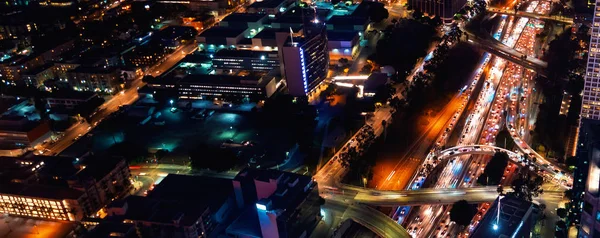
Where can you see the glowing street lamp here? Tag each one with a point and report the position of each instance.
(495, 226)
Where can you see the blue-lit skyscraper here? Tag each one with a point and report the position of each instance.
(305, 59)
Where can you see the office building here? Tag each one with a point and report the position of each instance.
(275, 203)
(305, 60)
(508, 217)
(60, 188)
(244, 20)
(253, 86)
(218, 38)
(342, 44)
(586, 179)
(181, 206)
(69, 100)
(13, 67)
(226, 60)
(445, 9)
(20, 132)
(37, 76)
(145, 56)
(104, 80)
(205, 5)
(53, 203)
(590, 107)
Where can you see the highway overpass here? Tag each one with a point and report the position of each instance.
(496, 47)
(561, 19)
(424, 196)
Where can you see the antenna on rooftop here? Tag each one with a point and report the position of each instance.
(292, 35)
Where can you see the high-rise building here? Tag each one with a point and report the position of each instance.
(275, 204)
(305, 59)
(508, 217)
(586, 196)
(591, 91)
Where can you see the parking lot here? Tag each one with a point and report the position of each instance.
(180, 130)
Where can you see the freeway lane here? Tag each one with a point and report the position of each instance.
(561, 19)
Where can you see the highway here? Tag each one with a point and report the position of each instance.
(532, 15)
(489, 106)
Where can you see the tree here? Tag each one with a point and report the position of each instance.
(213, 158)
(561, 229)
(492, 174)
(561, 212)
(462, 212)
(569, 194)
(527, 186)
(435, 21)
(505, 140)
(377, 12)
(384, 93)
(417, 15)
(39, 102)
(571, 161)
(160, 154)
(132, 152)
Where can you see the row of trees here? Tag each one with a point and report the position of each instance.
(350, 157)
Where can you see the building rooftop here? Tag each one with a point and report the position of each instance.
(245, 54)
(173, 32)
(291, 190)
(341, 35)
(347, 20)
(266, 4)
(93, 70)
(42, 191)
(194, 189)
(269, 33)
(244, 17)
(97, 168)
(514, 213)
(220, 31)
(39, 69)
(71, 94)
(221, 79)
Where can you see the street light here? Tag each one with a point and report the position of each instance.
(171, 101)
(495, 227)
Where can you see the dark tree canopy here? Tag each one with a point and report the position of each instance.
(462, 212)
(561, 212)
(527, 186)
(504, 140)
(377, 12)
(492, 174)
(403, 44)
